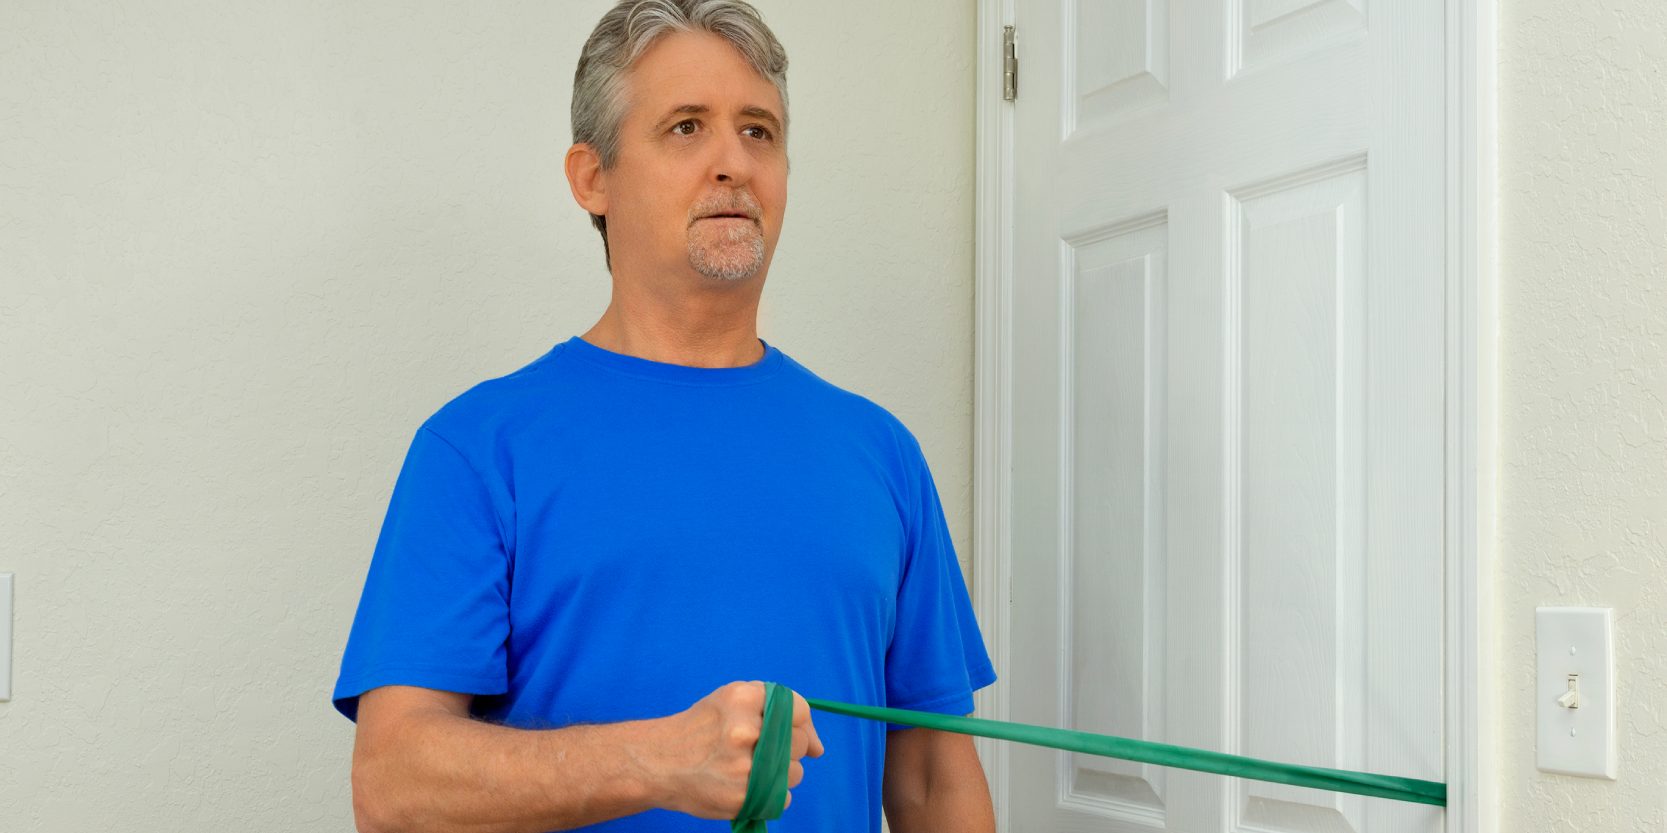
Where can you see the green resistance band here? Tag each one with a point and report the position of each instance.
(767, 783)
(1162, 754)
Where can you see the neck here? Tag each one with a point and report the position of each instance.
(696, 325)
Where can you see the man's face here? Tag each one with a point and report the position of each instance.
(701, 137)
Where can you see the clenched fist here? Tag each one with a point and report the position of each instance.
(706, 751)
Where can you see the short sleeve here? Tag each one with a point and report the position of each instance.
(435, 608)
(936, 659)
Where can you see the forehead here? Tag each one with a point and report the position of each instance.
(696, 68)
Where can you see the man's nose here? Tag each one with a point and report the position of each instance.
(733, 164)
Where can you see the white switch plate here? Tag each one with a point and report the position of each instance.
(1576, 641)
(5, 636)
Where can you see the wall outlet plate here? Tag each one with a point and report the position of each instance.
(1575, 691)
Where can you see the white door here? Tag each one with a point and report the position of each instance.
(1228, 393)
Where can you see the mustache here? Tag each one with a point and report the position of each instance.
(741, 203)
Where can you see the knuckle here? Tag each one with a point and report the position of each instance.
(741, 734)
(748, 695)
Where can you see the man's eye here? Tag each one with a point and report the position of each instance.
(763, 132)
(678, 128)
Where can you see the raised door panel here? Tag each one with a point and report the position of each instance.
(1113, 563)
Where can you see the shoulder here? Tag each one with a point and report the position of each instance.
(489, 410)
(865, 419)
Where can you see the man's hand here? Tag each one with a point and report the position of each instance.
(707, 750)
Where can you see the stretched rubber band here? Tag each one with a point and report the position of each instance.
(1181, 757)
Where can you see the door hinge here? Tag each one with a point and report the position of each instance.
(1009, 66)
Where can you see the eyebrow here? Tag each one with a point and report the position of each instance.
(701, 110)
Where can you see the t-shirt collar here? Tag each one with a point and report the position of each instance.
(676, 373)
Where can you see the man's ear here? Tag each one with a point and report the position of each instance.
(585, 177)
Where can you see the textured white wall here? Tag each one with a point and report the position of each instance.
(1583, 275)
(246, 247)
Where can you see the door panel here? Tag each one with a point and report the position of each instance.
(1301, 509)
(1115, 559)
(1121, 58)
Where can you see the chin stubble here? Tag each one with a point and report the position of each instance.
(730, 255)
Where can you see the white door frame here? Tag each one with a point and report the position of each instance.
(1471, 385)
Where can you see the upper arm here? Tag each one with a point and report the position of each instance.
(397, 700)
(434, 612)
(921, 760)
(936, 658)
(385, 716)
(386, 710)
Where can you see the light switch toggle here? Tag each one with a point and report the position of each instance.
(1571, 698)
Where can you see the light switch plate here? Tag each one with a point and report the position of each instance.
(5, 636)
(1576, 643)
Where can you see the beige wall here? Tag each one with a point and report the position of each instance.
(245, 248)
(1583, 410)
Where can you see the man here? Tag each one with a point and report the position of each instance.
(588, 564)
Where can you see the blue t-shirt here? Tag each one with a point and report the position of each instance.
(599, 537)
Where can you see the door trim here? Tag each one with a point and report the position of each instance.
(1472, 415)
(1471, 385)
(992, 390)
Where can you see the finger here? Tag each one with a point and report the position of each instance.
(789, 802)
(805, 740)
(814, 749)
(795, 773)
(802, 718)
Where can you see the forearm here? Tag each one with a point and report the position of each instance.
(449, 773)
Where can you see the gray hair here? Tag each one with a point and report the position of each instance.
(626, 32)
